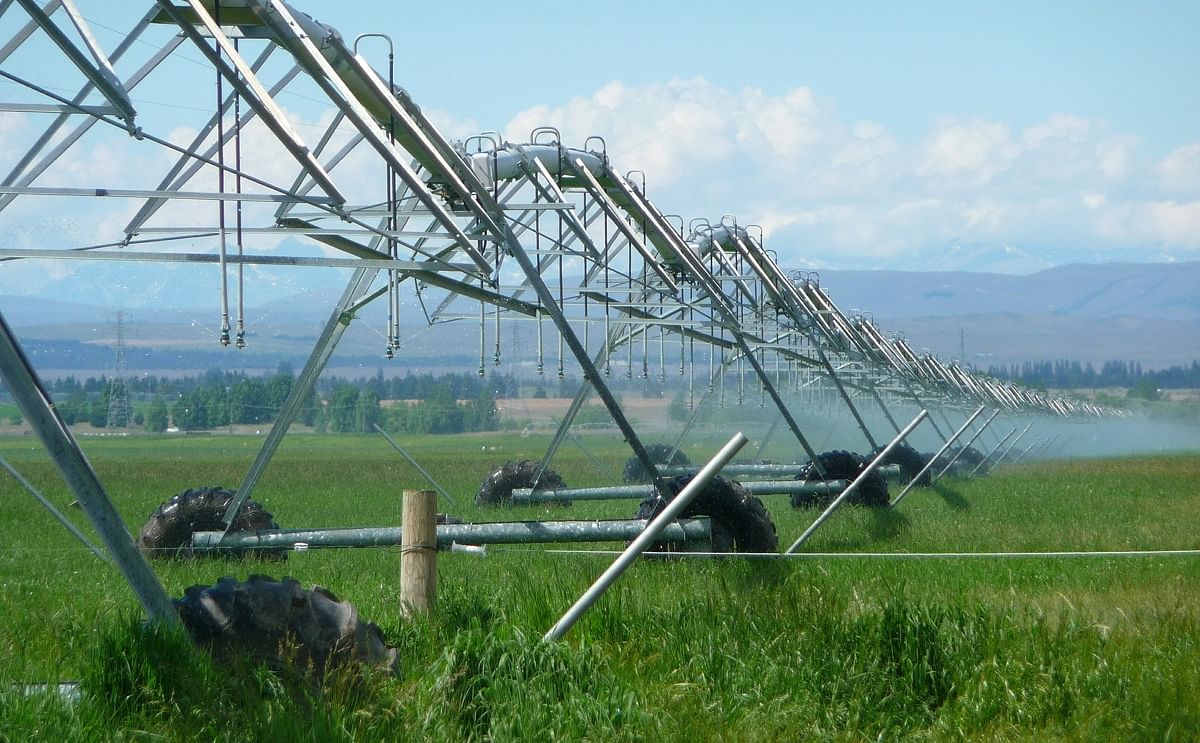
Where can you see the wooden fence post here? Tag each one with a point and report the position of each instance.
(418, 552)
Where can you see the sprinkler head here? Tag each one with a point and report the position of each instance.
(241, 340)
(387, 354)
(224, 338)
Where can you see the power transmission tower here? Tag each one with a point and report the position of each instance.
(118, 393)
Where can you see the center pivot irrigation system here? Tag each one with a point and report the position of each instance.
(479, 231)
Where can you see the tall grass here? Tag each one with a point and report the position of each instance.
(748, 662)
(816, 649)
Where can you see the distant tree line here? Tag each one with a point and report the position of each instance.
(424, 403)
(1065, 374)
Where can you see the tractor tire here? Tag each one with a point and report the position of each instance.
(911, 462)
(497, 489)
(278, 623)
(969, 458)
(636, 472)
(842, 465)
(740, 522)
(168, 532)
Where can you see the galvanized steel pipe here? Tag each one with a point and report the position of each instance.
(863, 476)
(962, 449)
(514, 532)
(652, 532)
(933, 460)
(734, 470)
(637, 492)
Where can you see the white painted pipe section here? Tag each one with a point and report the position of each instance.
(704, 239)
(469, 549)
(644, 540)
(504, 164)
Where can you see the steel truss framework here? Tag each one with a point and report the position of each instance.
(484, 230)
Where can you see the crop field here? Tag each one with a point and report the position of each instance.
(823, 647)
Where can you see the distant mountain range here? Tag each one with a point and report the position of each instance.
(1147, 312)
(990, 257)
(1164, 291)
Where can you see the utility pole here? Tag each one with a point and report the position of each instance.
(118, 393)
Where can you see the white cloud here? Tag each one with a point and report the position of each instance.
(825, 189)
(13, 128)
(690, 128)
(828, 190)
(662, 129)
(1170, 223)
(1179, 171)
(1057, 127)
(450, 126)
(974, 151)
(1115, 156)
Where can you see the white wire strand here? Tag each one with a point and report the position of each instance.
(885, 555)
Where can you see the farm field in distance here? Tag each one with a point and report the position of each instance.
(824, 647)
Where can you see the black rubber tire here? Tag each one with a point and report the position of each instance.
(497, 489)
(911, 462)
(842, 465)
(966, 461)
(168, 532)
(971, 456)
(635, 472)
(740, 522)
(275, 622)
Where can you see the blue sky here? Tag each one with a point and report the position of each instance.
(1004, 136)
(905, 65)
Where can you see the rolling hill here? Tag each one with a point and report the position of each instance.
(1148, 312)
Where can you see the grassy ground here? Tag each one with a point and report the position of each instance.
(841, 648)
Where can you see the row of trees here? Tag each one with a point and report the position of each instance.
(450, 403)
(1066, 374)
(409, 387)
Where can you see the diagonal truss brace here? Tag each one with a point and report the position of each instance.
(99, 73)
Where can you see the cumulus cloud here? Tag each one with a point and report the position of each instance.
(827, 190)
(973, 151)
(1179, 171)
(839, 192)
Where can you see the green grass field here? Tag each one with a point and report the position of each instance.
(818, 648)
